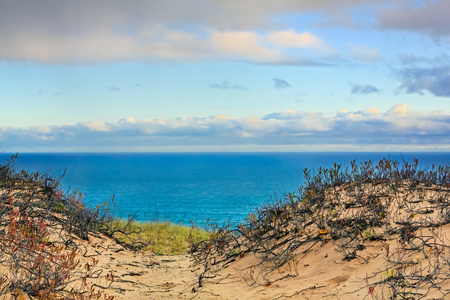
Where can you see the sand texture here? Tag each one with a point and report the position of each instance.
(412, 265)
(357, 236)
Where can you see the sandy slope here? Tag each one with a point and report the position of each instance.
(315, 270)
(319, 274)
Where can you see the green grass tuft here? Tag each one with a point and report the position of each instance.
(161, 237)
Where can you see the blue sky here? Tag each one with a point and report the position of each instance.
(210, 75)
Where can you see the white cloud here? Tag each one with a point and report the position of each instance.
(397, 126)
(96, 126)
(127, 120)
(243, 44)
(399, 110)
(291, 39)
(372, 111)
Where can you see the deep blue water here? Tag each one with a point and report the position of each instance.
(193, 186)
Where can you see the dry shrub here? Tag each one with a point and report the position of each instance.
(398, 204)
(38, 253)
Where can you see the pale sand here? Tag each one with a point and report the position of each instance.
(320, 273)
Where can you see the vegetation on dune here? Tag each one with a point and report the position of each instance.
(397, 204)
(160, 237)
(41, 230)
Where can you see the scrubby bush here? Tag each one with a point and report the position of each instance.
(36, 246)
(40, 228)
(398, 204)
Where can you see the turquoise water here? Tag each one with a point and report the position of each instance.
(180, 187)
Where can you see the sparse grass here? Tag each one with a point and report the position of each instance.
(160, 237)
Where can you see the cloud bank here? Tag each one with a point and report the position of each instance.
(277, 131)
(85, 31)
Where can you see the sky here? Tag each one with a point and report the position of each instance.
(215, 75)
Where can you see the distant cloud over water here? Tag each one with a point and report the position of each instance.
(369, 128)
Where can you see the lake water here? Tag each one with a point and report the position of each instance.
(180, 187)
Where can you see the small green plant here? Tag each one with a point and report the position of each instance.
(60, 207)
(370, 234)
(389, 274)
(235, 252)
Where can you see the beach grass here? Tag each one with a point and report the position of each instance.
(160, 237)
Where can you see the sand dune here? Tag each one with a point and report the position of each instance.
(352, 238)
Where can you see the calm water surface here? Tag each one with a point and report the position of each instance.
(196, 186)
